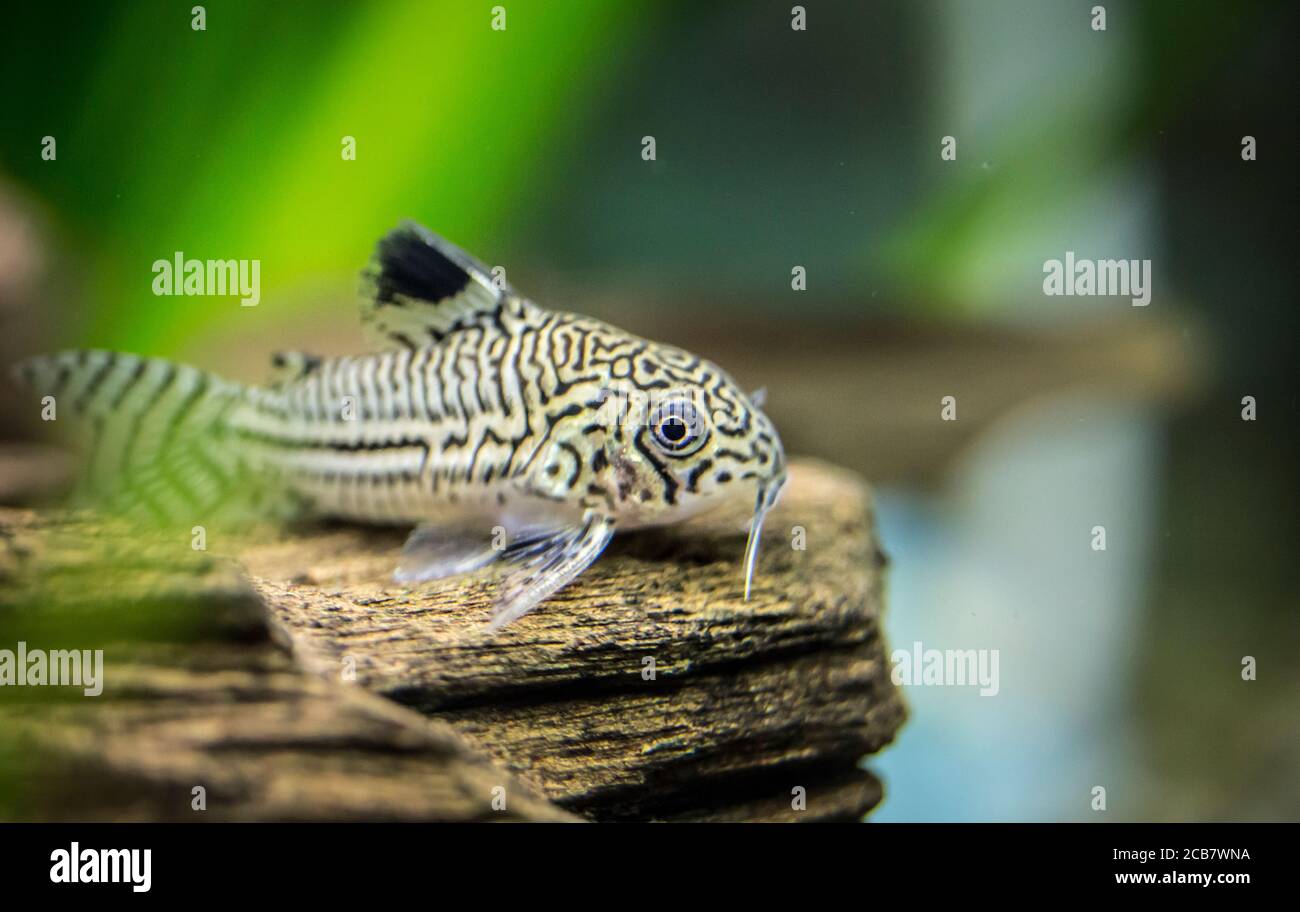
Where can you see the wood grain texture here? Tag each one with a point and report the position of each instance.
(296, 681)
(749, 700)
(198, 693)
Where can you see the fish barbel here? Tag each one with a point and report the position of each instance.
(507, 432)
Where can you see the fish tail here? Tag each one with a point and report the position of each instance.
(154, 433)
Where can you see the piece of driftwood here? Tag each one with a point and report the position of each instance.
(647, 690)
(197, 694)
(650, 689)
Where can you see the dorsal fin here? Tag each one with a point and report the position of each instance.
(420, 287)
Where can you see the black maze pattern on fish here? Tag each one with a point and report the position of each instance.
(478, 408)
(432, 424)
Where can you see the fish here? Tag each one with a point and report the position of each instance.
(505, 432)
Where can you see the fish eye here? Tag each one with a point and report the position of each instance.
(673, 429)
(678, 427)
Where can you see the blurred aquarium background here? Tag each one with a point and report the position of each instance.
(775, 149)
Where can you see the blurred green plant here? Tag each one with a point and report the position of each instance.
(226, 143)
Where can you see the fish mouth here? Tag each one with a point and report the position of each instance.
(768, 491)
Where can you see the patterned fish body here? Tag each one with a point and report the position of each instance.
(507, 431)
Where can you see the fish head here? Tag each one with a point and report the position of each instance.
(691, 439)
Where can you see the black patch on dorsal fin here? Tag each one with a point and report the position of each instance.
(419, 287)
(415, 263)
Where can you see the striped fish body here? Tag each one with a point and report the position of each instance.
(508, 432)
(151, 430)
(406, 435)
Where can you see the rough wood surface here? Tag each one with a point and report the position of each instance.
(197, 693)
(748, 700)
(750, 703)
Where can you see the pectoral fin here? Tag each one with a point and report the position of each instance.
(437, 551)
(546, 563)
